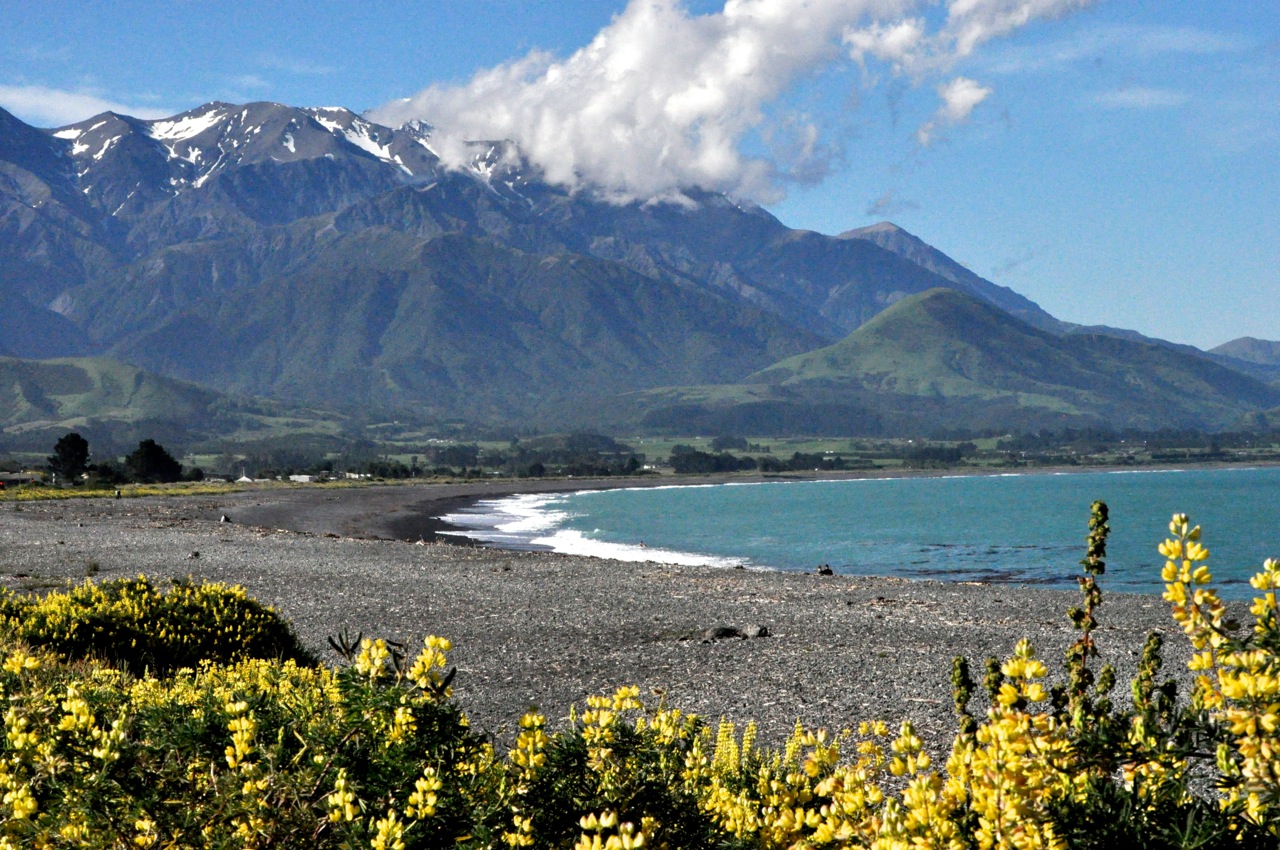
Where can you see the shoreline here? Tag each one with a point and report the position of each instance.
(545, 629)
(421, 519)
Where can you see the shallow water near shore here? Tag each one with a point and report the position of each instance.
(1019, 528)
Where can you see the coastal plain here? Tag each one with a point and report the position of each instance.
(540, 629)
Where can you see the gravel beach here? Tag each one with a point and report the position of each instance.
(542, 629)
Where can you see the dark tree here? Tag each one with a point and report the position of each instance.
(150, 463)
(728, 442)
(699, 462)
(70, 457)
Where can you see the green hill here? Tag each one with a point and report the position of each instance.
(1264, 352)
(114, 405)
(945, 361)
(457, 326)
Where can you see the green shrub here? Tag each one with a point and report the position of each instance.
(132, 624)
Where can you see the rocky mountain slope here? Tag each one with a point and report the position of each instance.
(313, 256)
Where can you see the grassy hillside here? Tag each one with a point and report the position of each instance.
(115, 404)
(459, 326)
(1264, 352)
(943, 360)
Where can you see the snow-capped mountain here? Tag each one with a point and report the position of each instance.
(172, 155)
(311, 254)
(123, 162)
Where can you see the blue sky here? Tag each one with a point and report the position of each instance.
(1119, 164)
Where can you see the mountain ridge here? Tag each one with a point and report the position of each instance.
(314, 256)
(1263, 352)
(944, 360)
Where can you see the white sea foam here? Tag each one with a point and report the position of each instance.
(509, 519)
(531, 521)
(659, 487)
(576, 543)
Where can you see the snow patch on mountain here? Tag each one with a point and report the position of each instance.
(335, 127)
(355, 130)
(184, 127)
(106, 146)
(360, 136)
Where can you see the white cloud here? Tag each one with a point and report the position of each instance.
(889, 204)
(294, 65)
(1141, 97)
(971, 23)
(662, 100)
(249, 81)
(907, 46)
(960, 97)
(893, 42)
(44, 106)
(1117, 40)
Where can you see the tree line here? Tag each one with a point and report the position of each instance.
(149, 463)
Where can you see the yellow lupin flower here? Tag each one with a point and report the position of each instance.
(428, 667)
(342, 800)
(20, 661)
(21, 803)
(528, 753)
(521, 834)
(372, 659)
(145, 832)
(423, 800)
(389, 833)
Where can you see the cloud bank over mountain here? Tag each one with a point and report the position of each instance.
(662, 99)
(53, 107)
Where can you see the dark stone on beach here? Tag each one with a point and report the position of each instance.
(716, 633)
(225, 518)
(712, 634)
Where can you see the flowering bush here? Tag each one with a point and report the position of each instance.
(134, 625)
(254, 753)
(249, 754)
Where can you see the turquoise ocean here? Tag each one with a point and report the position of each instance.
(1017, 528)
